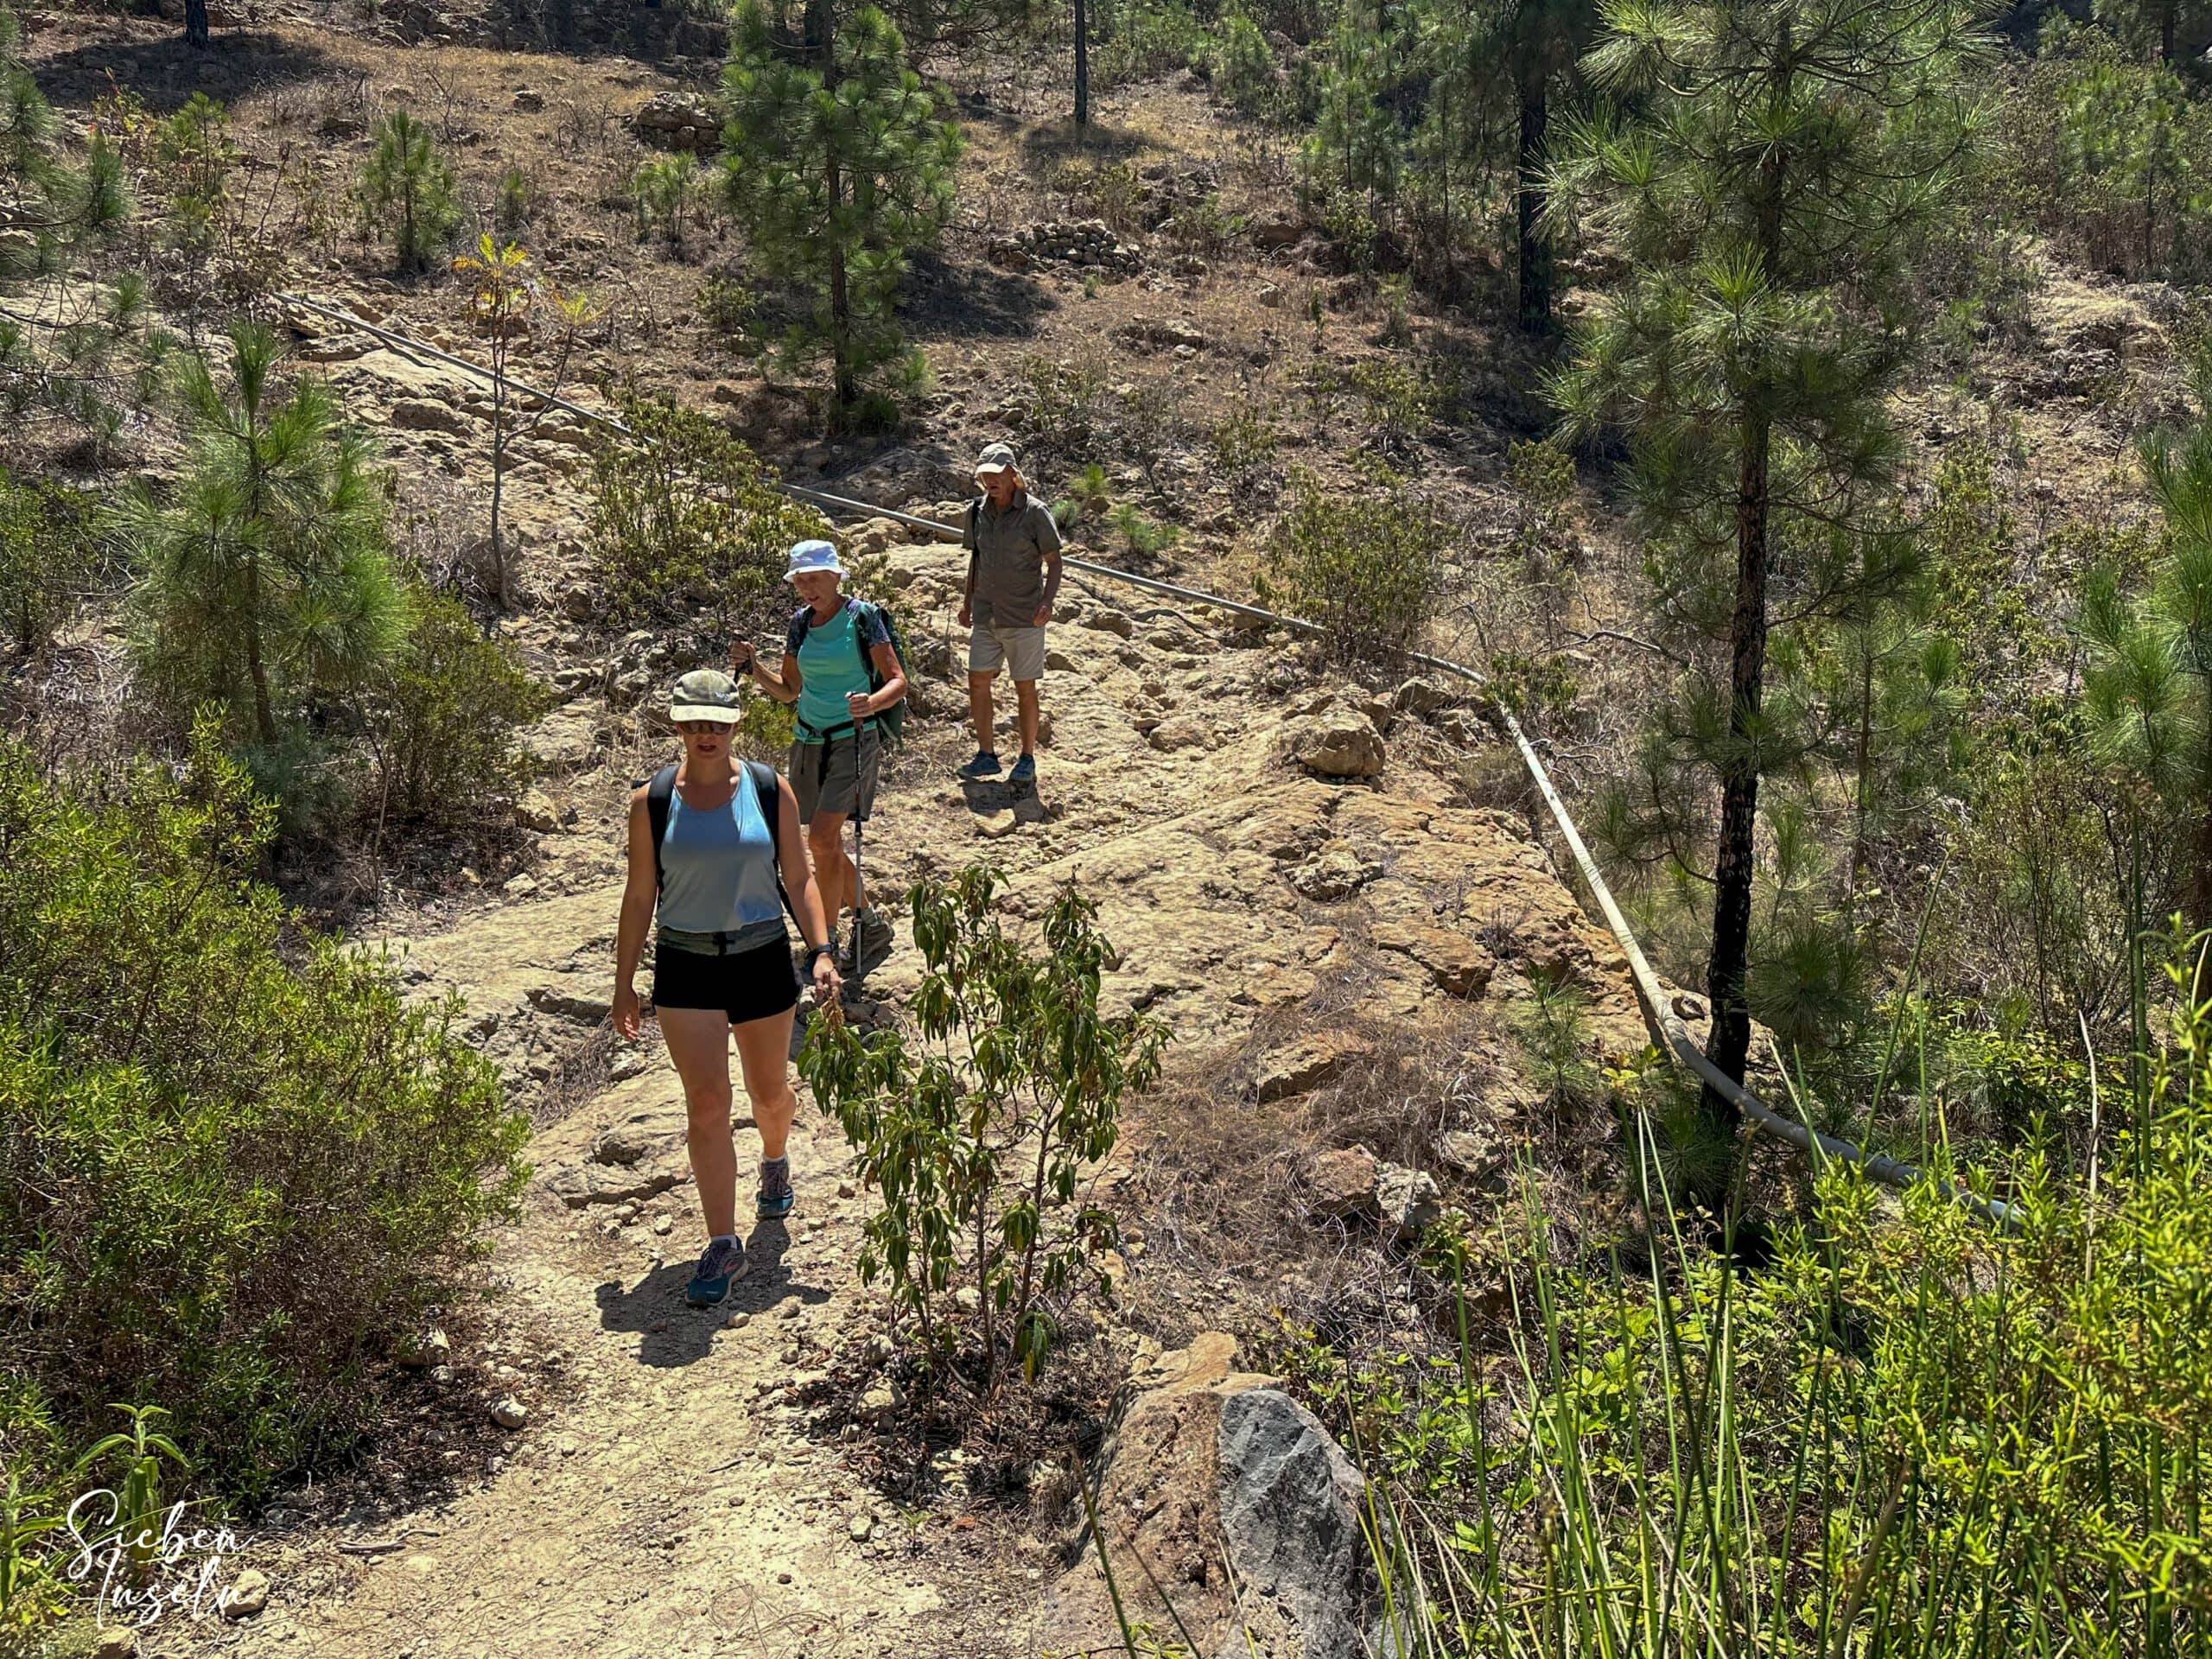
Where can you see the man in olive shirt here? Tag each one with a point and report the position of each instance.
(1014, 575)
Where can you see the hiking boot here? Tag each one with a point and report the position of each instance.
(1024, 774)
(774, 1200)
(722, 1262)
(869, 945)
(985, 765)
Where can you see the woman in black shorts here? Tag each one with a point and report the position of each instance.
(721, 960)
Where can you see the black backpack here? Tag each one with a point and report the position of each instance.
(662, 789)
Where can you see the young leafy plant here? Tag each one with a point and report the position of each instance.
(978, 1127)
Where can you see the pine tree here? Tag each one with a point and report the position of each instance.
(54, 205)
(263, 586)
(2148, 685)
(1764, 196)
(837, 162)
(408, 190)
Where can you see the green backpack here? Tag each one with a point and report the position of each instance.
(892, 721)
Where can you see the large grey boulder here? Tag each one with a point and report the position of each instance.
(1223, 1499)
(1290, 1502)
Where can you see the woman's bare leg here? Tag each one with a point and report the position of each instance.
(698, 1042)
(764, 1050)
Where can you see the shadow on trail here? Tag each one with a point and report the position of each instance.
(948, 302)
(986, 798)
(673, 1334)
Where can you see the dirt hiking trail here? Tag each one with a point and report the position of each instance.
(667, 1492)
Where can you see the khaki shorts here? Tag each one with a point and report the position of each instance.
(838, 778)
(992, 646)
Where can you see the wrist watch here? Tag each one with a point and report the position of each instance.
(816, 952)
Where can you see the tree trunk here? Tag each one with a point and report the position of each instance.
(195, 22)
(1535, 258)
(1082, 66)
(264, 719)
(2200, 884)
(1863, 763)
(1729, 1047)
(502, 594)
(841, 309)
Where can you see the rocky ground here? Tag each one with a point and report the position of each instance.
(1255, 843)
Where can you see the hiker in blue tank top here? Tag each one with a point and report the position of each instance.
(714, 850)
(842, 670)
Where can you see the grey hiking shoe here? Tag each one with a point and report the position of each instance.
(774, 1200)
(868, 946)
(722, 1262)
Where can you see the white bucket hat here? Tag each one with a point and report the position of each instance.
(813, 556)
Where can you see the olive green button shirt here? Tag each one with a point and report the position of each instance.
(1009, 549)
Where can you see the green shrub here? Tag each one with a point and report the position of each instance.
(1060, 407)
(1367, 568)
(1902, 1432)
(1246, 440)
(1149, 37)
(1145, 537)
(729, 307)
(264, 584)
(408, 191)
(238, 1163)
(194, 152)
(977, 1130)
(1203, 226)
(442, 725)
(49, 560)
(683, 521)
(1399, 403)
(1114, 193)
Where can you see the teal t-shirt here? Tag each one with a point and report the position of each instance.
(830, 664)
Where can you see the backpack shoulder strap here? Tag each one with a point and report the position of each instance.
(772, 814)
(659, 793)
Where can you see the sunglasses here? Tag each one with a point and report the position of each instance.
(703, 727)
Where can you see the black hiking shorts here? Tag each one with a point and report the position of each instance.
(750, 985)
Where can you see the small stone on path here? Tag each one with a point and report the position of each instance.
(248, 1595)
(509, 1413)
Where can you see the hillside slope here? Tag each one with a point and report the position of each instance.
(670, 1493)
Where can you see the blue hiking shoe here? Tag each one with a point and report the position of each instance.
(723, 1264)
(1024, 774)
(775, 1199)
(985, 765)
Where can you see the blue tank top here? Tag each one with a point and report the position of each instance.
(718, 870)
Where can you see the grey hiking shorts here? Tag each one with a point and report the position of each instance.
(837, 777)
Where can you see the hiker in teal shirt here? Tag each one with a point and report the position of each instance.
(837, 744)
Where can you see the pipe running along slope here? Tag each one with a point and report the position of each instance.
(1669, 1033)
